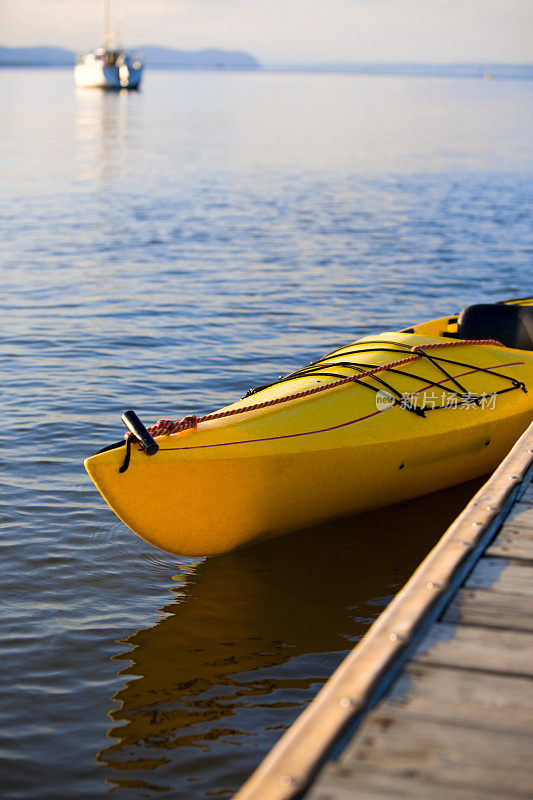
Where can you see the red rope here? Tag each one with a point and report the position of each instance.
(165, 427)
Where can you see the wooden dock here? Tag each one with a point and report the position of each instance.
(436, 701)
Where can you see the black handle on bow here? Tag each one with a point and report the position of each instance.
(135, 426)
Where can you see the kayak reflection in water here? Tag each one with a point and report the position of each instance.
(249, 642)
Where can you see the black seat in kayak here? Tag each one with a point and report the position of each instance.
(510, 325)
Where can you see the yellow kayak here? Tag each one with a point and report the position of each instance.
(378, 421)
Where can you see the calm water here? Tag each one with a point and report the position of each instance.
(165, 251)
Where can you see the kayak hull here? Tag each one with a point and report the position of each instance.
(211, 507)
(262, 473)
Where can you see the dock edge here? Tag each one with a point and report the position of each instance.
(368, 670)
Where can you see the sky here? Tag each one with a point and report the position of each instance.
(289, 31)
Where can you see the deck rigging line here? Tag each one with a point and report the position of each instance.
(167, 427)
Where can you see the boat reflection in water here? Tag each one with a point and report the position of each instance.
(250, 639)
(106, 128)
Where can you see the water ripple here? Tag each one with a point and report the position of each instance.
(167, 251)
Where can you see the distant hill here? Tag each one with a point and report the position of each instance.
(212, 58)
(36, 57)
(158, 57)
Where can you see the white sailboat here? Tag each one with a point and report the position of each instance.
(109, 66)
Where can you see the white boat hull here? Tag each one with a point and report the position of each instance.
(92, 73)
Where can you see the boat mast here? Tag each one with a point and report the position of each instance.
(105, 24)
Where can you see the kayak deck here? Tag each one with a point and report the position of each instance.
(350, 432)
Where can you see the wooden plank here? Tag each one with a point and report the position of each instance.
(472, 647)
(463, 697)
(513, 542)
(521, 515)
(491, 609)
(527, 497)
(443, 753)
(500, 575)
(339, 782)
